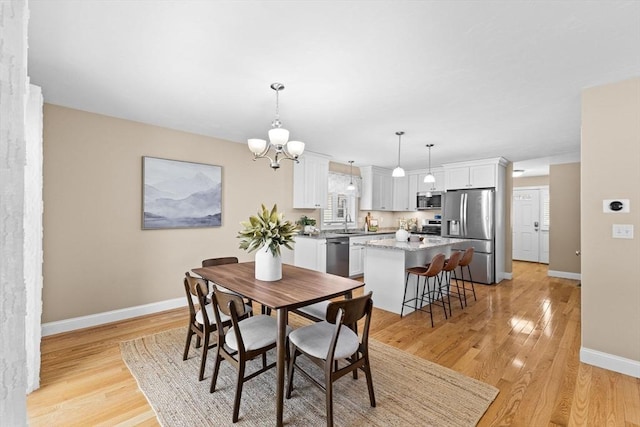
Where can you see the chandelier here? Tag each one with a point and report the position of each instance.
(278, 140)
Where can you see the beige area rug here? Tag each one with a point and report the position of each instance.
(409, 390)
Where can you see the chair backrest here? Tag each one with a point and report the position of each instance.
(353, 309)
(453, 261)
(191, 287)
(466, 258)
(348, 312)
(211, 262)
(229, 304)
(437, 262)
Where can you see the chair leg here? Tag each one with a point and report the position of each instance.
(455, 277)
(190, 333)
(404, 298)
(473, 288)
(427, 287)
(464, 286)
(203, 362)
(236, 402)
(367, 374)
(216, 369)
(292, 362)
(440, 294)
(329, 393)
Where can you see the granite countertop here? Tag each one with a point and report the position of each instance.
(426, 243)
(351, 233)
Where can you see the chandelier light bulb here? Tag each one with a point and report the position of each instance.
(398, 172)
(429, 178)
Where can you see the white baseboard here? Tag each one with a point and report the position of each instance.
(564, 275)
(611, 362)
(506, 276)
(81, 322)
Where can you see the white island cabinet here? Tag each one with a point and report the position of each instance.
(385, 264)
(356, 251)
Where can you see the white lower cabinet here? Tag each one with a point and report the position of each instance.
(356, 260)
(310, 253)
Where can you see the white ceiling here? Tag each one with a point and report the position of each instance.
(478, 79)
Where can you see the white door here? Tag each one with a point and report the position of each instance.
(526, 225)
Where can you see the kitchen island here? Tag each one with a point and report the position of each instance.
(385, 264)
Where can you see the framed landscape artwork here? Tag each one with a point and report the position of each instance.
(178, 194)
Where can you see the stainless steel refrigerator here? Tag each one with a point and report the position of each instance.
(470, 214)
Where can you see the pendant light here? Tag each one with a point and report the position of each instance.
(278, 140)
(398, 172)
(351, 187)
(429, 178)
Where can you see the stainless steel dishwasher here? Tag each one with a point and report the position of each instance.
(338, 256)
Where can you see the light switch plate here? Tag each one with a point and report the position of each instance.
(609, 206)
(622, 231)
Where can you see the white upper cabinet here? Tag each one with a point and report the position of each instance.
(377, 189)
(438, 173)
(476, 174)
(310, 178)
(401, 201)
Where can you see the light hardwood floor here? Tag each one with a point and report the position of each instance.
(522, 336)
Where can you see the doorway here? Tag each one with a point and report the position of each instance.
(531, 224)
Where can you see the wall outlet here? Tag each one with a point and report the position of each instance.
(616, 206)
(622, 231)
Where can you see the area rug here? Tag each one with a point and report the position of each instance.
(409, 390)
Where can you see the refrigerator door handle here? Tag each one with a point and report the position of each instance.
(463, 215)
(462, 195)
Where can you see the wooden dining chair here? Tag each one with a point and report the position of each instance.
(201, 321)
(212, 262)
(326, 343)
(247, 338)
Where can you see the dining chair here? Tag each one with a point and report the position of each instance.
(247, 338)
(465, 261)
(316, 312)
(201, 322)
(431, 288)
(212, 262)
(329, 342)
(448, 270)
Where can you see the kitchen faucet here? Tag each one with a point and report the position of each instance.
(347, 217)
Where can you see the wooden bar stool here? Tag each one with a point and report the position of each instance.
(449, 268)
(465, 261)
(432, 270)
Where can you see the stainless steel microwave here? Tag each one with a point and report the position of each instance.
(431, 200)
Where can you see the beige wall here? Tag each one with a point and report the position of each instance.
(96, 256)
(611, 267)
(564, 217)
(531, 181)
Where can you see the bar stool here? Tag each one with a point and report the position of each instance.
(465, 261)
(432, 270)
(449, 268)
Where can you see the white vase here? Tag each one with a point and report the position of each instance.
(402, 235)
(268, 266)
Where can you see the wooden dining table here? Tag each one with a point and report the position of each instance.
(297, 288)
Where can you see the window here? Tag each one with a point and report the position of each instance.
(545, 220)
(339, 207)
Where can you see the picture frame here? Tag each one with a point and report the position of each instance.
(180, 194)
